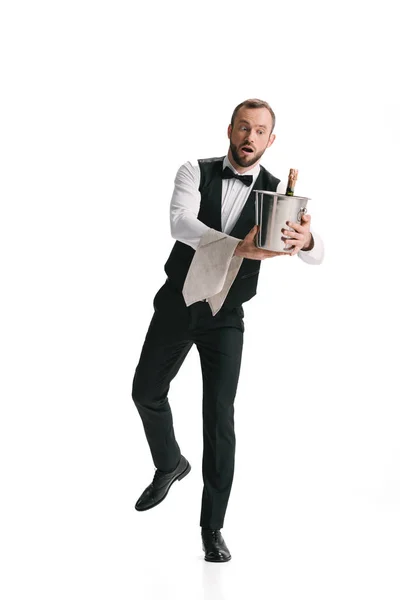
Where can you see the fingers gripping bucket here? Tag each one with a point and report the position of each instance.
(272, 212)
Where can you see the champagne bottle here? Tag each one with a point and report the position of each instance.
(291, 182)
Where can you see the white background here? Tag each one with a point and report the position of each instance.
(101, 103)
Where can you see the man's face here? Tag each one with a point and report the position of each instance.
(249, 137)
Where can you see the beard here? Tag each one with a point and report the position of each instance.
(245, 161)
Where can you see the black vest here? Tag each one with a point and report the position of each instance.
(245, 285)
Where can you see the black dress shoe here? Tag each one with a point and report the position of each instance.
(214, 546)
(158, 489)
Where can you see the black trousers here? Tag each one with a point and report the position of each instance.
(173, 330)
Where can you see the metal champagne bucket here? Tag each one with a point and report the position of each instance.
(272, 212)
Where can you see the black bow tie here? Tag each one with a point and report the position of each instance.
(227, 173)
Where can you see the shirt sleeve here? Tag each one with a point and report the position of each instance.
(213, 268)
(315, 256)
(185, 205)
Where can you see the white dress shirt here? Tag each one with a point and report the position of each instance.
(185, 205)
(214, 266)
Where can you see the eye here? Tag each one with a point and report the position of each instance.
(243, 127)
(261, 131)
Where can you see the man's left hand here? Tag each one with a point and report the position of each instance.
(300, 238)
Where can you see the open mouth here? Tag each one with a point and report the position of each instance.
(247, 149)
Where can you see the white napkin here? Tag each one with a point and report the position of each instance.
(213, 270)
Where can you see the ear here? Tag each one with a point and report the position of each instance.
(271, 140)
(229, 131)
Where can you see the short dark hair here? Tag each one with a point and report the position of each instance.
(254, 103)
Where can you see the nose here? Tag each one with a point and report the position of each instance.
(251, 136)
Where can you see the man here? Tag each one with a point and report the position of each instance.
(212, 269)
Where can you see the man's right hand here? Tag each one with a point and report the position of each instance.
(247, 248)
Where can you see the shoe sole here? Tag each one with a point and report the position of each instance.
(178, 477)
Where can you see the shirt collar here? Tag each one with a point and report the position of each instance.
(254, 171)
